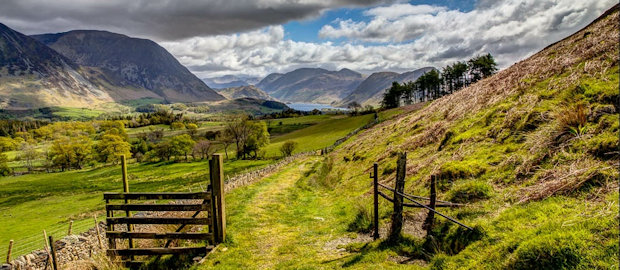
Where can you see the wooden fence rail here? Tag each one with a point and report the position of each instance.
(398, 201)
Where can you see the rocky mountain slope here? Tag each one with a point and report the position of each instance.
(532, 151)
(33, 75)
(311, 85)
(249, 91)
(370, 91)
(121, 63)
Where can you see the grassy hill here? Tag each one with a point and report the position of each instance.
(532, 151)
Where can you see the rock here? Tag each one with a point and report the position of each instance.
(6, 267)
(30, 258)
(197, 259)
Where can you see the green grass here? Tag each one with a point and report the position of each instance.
(70, 113)
(34, 202)
(318, 136)
(290, 220)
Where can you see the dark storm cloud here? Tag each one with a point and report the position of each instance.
(161, 19)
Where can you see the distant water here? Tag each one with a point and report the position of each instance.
(311, 106)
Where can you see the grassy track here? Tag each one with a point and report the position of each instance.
(291, 220)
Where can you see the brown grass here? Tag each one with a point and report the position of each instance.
(569, 178)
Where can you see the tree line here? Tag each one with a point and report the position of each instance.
(435, 84)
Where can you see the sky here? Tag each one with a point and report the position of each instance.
(257, 37)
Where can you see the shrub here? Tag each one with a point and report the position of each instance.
(470, 191)
(288, 147)
(555, 251)
(177, 126)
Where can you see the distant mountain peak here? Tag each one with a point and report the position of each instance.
(131, 62)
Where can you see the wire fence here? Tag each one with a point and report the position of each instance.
(25, 245)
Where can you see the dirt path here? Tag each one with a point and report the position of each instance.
(279, 222)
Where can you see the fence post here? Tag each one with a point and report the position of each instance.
(53, 251)
(8, 254)
(98, 233)
(376, 200)
(70, 228)
(126, 190)
(47, 250)
(397, 216)
(216, 171)
(428, 223)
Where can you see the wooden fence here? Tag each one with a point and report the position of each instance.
(398, 201)
(208, 211)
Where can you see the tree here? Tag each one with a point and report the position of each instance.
(391, 97)
(354, 107)
(202, 148)
(247, 135)
(287, 148)
(182, 144)
(482, 66)
(82, 147)
(113, 128)
(192, 129)
(61, 153)
(226, 139)
(259, 137)
(111, 147)
(459, 71)
(7, 144)
(177, 126)
(5, 170)
(162, 150)
(28, 155)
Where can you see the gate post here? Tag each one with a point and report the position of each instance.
(216, 171)
(126, 190)
(376, 200)
(399, 187)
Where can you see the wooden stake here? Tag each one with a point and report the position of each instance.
(216, 171)
(8, 255)
(53, 250)
(98, 233)
(428, 223)
(397, 215)
(47, 249)
(376, 200)
(70, 227)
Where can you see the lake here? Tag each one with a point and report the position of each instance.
(311, 106)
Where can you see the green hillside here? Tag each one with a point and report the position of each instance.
(533, 151)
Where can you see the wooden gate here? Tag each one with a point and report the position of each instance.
(208, 208)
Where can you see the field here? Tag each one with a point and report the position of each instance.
(320, 135)
(33, 202)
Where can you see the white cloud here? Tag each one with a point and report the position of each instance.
(162, 19)
(510, 30)
(424, 36)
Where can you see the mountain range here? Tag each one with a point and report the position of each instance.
(246, 91)
(84, 68)
(370, 91)
(311, 85)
